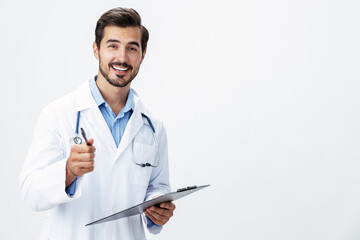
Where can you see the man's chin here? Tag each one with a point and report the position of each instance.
(122, 76)
(119, 82)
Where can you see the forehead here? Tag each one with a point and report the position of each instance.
(122, 34)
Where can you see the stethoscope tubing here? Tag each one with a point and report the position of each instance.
(77, 123)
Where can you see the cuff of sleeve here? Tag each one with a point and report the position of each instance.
(152, 227)
(70, 190)
(150, 223)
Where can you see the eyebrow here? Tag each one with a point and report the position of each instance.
(112, 40)
(134, 43)
(117, 41)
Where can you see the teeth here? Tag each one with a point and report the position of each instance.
(120, 68)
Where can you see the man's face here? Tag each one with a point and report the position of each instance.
(119, 55)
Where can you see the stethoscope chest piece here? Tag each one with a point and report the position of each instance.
(75, 140)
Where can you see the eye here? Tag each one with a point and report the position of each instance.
(112, 46)
(133, 49)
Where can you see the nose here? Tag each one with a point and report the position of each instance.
(122, 55)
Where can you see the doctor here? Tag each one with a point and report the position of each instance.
(125, 160)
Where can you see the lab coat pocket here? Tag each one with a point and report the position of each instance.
(142, 154)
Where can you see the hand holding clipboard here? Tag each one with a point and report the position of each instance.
(138, 209)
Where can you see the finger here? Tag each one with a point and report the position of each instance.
(86, 149)
(156, 217)
(168, 205)
(82, 165)
(79, 158)
(89, 164)
(149, 215)
(83, 157)
(87, 170)
(91, 141)
(160, 211)
(165, 205)
(81, 169)
(83, 149)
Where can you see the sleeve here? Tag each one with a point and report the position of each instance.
(159, 180)
(71, 189)
(42, 179)
(151, 226)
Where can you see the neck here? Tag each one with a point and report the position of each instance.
(114, 96)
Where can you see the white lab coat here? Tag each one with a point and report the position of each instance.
(116, 182)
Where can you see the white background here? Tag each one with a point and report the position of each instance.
(260, 99)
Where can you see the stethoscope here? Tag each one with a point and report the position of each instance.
(149, 127)
(77, 140)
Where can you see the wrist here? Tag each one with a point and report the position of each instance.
(70, 176)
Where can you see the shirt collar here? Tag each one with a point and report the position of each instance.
(95, 92)
(129, 102)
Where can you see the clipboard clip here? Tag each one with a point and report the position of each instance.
(186, 188)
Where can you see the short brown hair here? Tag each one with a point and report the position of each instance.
(121, 17)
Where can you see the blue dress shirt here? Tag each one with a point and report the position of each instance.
(116, 124)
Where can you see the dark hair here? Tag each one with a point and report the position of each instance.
(120, 17)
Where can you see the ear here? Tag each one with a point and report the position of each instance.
(143, 56)
(96, 50)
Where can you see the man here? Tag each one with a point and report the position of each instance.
(122, 164)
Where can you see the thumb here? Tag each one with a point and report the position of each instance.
(91, 141)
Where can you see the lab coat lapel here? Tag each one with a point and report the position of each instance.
(90, 113)
(100, 127)
(133, 127)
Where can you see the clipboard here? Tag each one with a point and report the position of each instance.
(138, 209)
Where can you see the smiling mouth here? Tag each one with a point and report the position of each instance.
(120, 69)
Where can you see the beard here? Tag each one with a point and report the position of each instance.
(119, 81)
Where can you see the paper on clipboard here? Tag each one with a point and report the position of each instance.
(138, 209)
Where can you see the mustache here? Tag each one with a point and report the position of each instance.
(120, 64)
